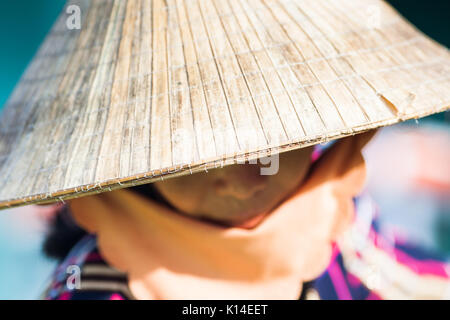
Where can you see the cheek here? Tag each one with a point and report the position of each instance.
(181, 196)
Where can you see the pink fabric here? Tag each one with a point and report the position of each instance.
(338, 279)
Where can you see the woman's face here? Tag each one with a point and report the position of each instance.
(236, 194)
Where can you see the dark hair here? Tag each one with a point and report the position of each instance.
(63, 233)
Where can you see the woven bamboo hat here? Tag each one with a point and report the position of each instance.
(149, 89)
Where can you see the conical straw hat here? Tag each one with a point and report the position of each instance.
(151, 89)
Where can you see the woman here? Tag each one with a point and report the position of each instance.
(230, 233)
(146, 91)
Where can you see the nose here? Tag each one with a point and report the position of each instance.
(242, 183)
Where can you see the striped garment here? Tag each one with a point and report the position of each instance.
(368, 264)
(97, 280)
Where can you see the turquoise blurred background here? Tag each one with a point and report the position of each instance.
(23, 25)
